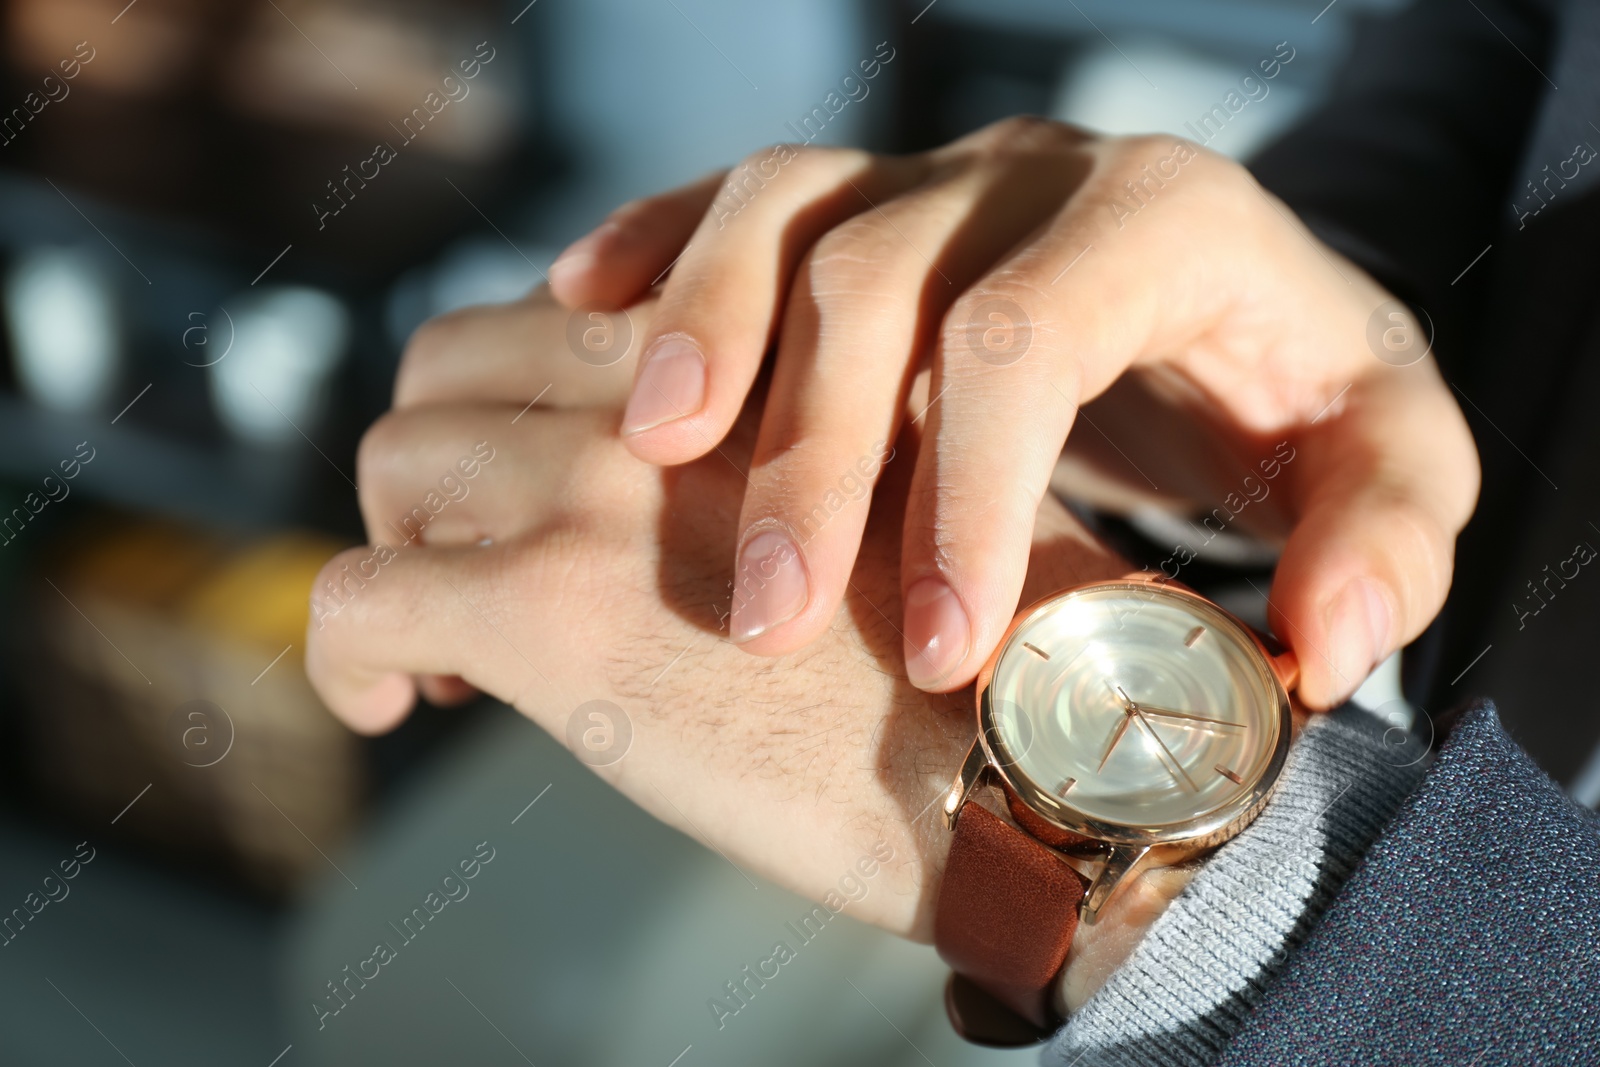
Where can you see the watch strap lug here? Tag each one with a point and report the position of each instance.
(1124, 863)
(973, 771)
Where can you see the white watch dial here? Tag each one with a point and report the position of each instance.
(1134, 706)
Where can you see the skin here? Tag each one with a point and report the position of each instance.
(1209, 324)
(839, 307)
(606, 578)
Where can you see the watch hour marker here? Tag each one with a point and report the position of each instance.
(1036, 650)
(1229, 775)
(1061, 790)
(1194, 635)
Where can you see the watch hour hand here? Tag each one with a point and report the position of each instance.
(1116, 735)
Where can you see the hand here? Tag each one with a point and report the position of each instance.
(605, 578)
(1023, 242)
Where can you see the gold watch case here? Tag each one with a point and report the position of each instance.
(1112, 854)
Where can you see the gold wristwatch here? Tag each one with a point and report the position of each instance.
(1127, 724)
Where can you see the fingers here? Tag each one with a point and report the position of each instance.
(1065, 553)
(1384, 487)
(522, 351)
(1007, 383)
(865, 303)
(494, 352)
(978, 483)
(464, 473)
(387, 613)
(378, 616)
(616, 262)
(417, 473)
(1166, 255)
(718, 311)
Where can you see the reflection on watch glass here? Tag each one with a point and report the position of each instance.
(1134, 706)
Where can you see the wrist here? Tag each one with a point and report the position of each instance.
(915, 746)
(1099, 949)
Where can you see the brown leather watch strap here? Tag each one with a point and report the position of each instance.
(1008, 910)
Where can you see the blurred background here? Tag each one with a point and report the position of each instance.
(208, 267)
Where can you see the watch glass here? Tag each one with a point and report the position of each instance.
(1134, 705)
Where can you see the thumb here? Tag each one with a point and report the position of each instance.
(1382, 487)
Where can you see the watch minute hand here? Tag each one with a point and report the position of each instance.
(1168, 713)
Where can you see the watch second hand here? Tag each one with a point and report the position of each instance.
(1157, 737)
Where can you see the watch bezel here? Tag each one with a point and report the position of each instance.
(1211, 827)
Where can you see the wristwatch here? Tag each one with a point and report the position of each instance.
(1127, 724)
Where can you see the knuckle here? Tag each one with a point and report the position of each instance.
(1427, 528)
(512, 580)
(381, 448)
(855, 254)
(799, 478)
(1017, 286)
(805, 167)
(570, 560)
(1026, 134)
(603, 485)
(806, 160)
(1217, 169)
(998, 321)
(936, 521)
(332, 593)
(1225, 184)
(428, 348)
(1141, 150)
(812, 160)
(1462, 460)
(1021, 125)
(758, 168)
(631, 212)
(634, 216)
(1164, 157)
(776, 150)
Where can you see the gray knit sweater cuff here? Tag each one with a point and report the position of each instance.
(1194, 979)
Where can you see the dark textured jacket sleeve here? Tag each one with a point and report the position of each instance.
(1470, 934)
(1408, 167)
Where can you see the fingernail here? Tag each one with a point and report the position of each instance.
(1358, 628)
(671, 385)
(769, 585)
(937, 633)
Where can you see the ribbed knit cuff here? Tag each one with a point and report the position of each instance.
(1199, 972)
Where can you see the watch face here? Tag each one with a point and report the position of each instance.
(1134, 706)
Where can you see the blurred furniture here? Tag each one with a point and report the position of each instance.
(232, 118)
(167, 664)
